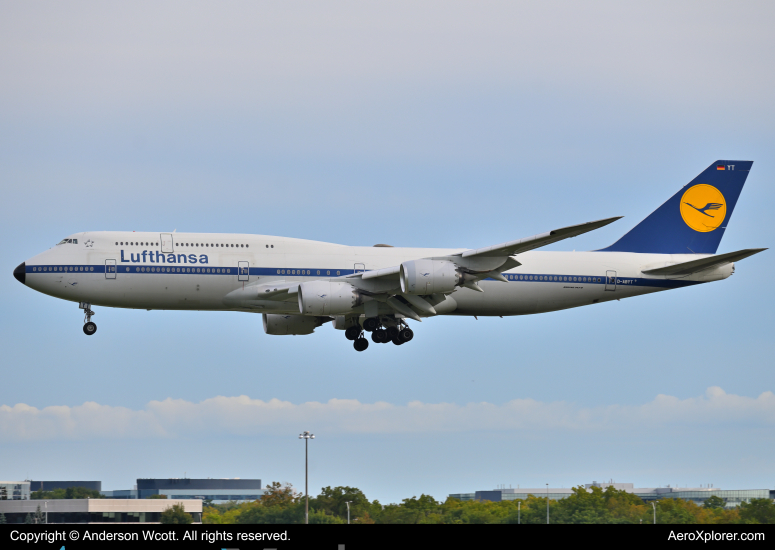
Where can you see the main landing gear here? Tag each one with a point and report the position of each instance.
(89, 328)
(355, 334)
(398, 334)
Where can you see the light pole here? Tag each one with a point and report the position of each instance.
(348, 510)
(45, 506)
(547, 504)
(519, 512)
(654, 506)
(306, 436)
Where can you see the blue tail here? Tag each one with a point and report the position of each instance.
(694, 219)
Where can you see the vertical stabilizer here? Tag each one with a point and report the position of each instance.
(694, 219)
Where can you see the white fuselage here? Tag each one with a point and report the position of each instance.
(198, 270)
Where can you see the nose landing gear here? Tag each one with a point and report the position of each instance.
(89, 328)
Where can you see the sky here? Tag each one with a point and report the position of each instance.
(428, 124)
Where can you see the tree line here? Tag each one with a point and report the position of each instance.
(282, 505)
(70, 492)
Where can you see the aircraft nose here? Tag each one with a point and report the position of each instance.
(20, 272)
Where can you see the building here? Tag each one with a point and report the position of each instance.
(51, 485)
(14, 490)
(217, 490)
(696, 494)
(96, 510)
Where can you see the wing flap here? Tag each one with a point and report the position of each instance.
(693, 266)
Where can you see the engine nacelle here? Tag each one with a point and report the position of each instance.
(327, 298)
(429, 276)
(290, 324)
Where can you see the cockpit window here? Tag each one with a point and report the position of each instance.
(68, 241)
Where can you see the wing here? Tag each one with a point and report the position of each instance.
(383, 286)
(491, 261)
(523, 245)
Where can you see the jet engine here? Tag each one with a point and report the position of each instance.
(291, 324)
(327, 298)
(424, 277)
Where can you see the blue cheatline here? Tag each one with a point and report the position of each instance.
(316, 273)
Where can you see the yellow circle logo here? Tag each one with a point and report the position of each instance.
(703, 208)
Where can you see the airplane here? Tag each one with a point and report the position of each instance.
(298, 285)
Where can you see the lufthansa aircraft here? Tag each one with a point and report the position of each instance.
(298, 284)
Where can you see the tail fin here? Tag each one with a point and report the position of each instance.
(694, 219)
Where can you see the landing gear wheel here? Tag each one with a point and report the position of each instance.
(89, 328)
(406, 335)
(379, 336)
(370, 324)
(361, 344)
(396, 340)
(392, 332)
(352, 333)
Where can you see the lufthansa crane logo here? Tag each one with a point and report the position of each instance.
(703, 208)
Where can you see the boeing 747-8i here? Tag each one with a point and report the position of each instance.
(298, 285)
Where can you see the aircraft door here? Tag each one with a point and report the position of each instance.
(166, 243)
(243, 272)
(110, 269)
(610, 280)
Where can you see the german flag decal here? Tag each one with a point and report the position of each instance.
(720, 167)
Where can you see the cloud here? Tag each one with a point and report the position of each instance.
(93, 53)
(245, 416)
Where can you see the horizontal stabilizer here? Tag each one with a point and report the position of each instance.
(537, 241)
(693, 266)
